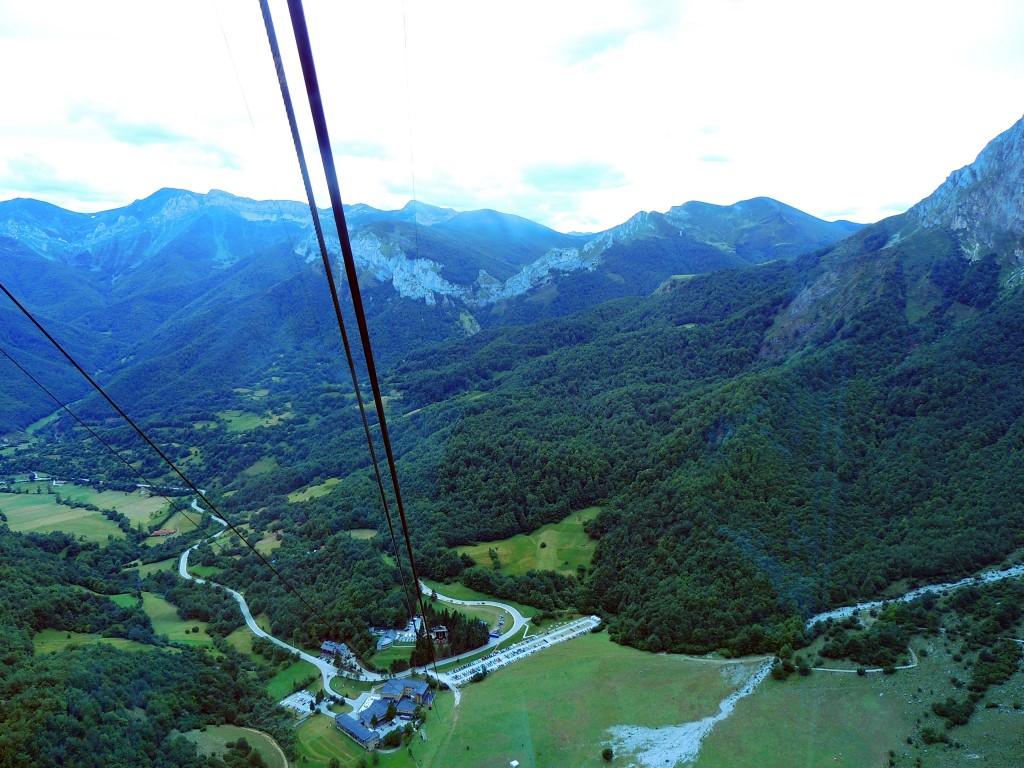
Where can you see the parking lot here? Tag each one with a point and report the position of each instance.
(302, 702)
(497, 659)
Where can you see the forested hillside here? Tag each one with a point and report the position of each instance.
(98, 704)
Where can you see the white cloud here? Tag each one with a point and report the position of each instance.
(826, 106)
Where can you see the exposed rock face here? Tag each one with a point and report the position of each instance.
(217, 230)
(982, 200)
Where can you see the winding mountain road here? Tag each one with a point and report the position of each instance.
(327, 670)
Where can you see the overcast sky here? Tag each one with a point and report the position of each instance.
(576, 114)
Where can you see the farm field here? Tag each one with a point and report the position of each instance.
(167, 622)
(562, 547)
(314, 490)
(41, 513)
(362, 533)
(211, 742)
(52, 640)
(554, 708)
(169, 564)
(245, 421)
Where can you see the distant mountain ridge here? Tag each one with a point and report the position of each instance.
(127, 283)
(477, 257)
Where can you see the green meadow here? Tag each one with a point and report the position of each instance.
(553, 708)
(212, 739)
(166, 621)
(40, 513)
(53, 640)
(457, 591)
(562, 547)
(314, 490)
(292, 678)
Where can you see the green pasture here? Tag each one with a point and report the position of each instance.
(457, 591)
(241, 640)
(181, 522)
(314, 490)
(53, 640)
(364, 534)
(204, 571)
(125, 600)
(560, 547)
(267, 545)
(167, 622)
(246, 421)
(261, 466)
(212, 739)
(288, 680)
(829, 718)
(41, 513)
(554, 707)
(170, 564)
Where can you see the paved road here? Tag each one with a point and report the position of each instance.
(327, 670)
(519, 651)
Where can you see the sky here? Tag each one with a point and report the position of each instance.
(575, 114)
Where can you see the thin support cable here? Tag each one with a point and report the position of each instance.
(329, 273)
(174, 507)
(302, 42)
(166, 459)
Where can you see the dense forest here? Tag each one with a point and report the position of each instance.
(98, 705)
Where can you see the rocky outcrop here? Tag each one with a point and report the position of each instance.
(980, 201)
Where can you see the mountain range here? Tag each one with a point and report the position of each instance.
(775, 414)
(132, 290)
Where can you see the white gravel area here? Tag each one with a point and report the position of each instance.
(675, 744)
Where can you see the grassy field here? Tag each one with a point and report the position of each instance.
(245, 421)
(362, 533)
(169, 564)
(212, 739)
(384, 658)
(458, 591)
(241, 640)
(553, 708)
(486, 613)
(42, 514)
(288, 680)
(319, 741)
(560, 547)
(314, 490)
(126, 600)
(260, 467)
(825, 719)
(182, 522)
(52, 640)
(167, 622)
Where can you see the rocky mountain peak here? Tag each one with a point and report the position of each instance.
(983, 199)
